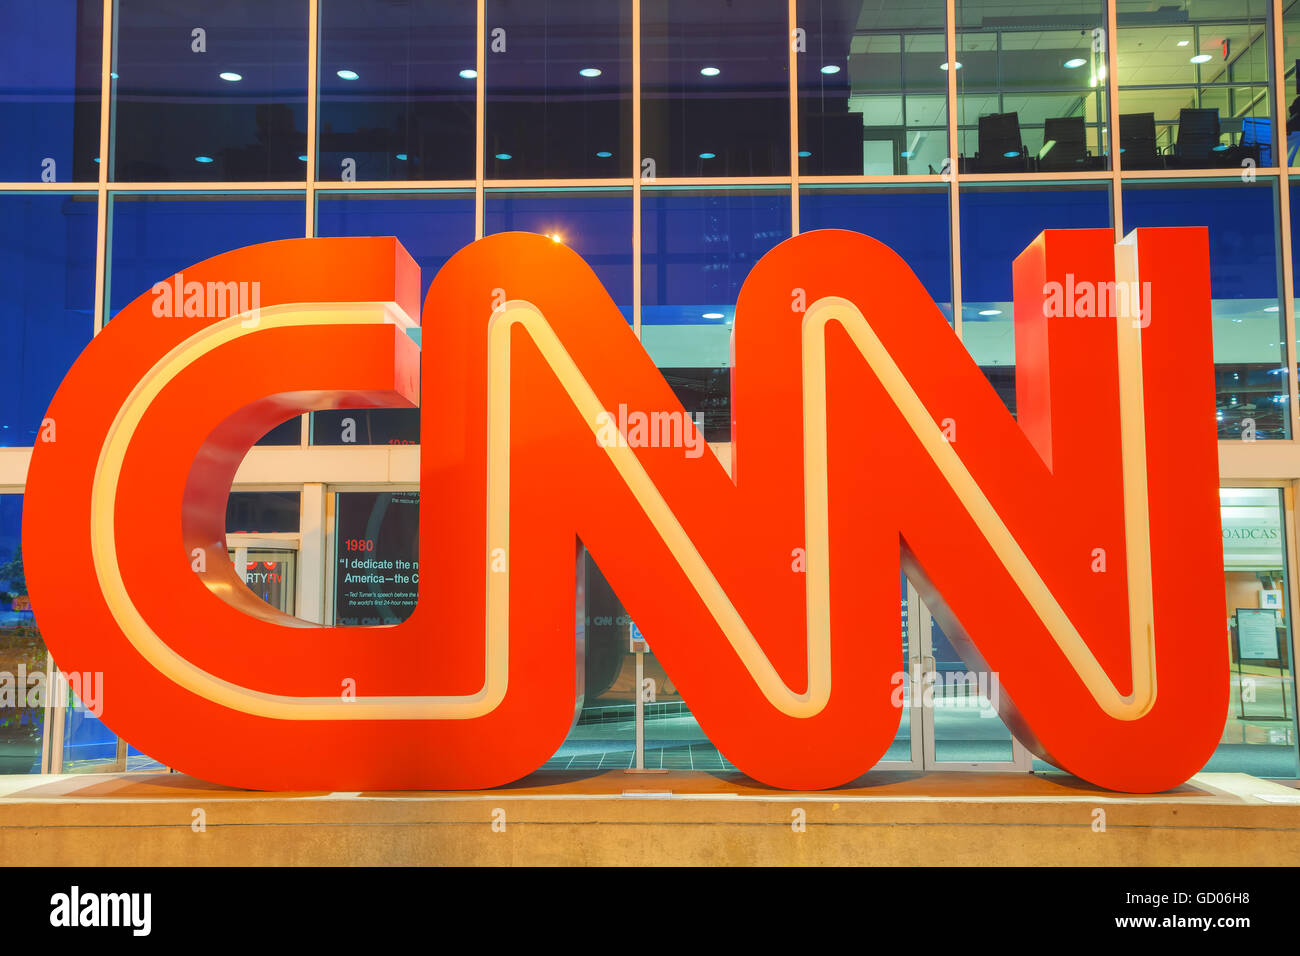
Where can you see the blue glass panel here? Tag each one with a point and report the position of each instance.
(1245, 290)
(210, 92)
(47, 274)
(397, 87)
(997, 224)
(432, 227)
(697, 248)
(596, 225)
(152, 237)
(49, 90)
(912, 222)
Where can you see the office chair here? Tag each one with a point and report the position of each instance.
(1198, 135)
(1137, 141)
(1000, 148)
(1065, 144)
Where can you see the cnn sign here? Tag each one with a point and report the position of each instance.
(1074, 551)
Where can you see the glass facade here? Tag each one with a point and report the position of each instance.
(672, 151)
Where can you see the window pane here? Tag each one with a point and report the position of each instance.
(1290, 93)
(715, 88)
(559, 89)
(377, 568)
(49, 90)
(596, 224)
(432, 227)
(605, 735)
(697, 248)
(872, 94)
(1260, 735)
(47, 272)
(1245, 288)
(366, 426)
(210, 92)
(152, 237)
(997, 224)
(912, 221)
(262, 512)
(397, 88)
(22, 652)
(1032, 87)
(1194, 84)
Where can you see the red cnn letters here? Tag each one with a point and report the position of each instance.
(864, 437)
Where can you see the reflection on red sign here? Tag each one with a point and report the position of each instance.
(865, 437)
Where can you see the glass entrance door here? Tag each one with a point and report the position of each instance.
(949, 719)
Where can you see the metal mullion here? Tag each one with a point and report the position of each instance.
(1223, 172)
(1112, 110)
(1079, 176)
(1284, 218)
(313, 92)
(105, 161)
(281, 186)
(619, 182)
(637, 266)
(389, 185)
(37, 187)
(954, 198)
(792, 24)
(480, 116)
(1293, 594)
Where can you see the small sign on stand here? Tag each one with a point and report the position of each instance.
(638, 645)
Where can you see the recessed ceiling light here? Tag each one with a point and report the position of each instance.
(230, 77)
(469, 74)
(1202, 58)
(1074, 64)
(504, 156)
(712, 315)
(302, 159)
(348, 75)
(990, 312)
(589, 71)
(203, 159)
(604, 154)
(830, 68)
(402, 157)
(1184, 42)
(1271, 308)
(708, 155)
(1010, 154)
(804, 153)
(944, 66)
(709, 71)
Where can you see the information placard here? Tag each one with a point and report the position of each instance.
(377, 569)
(1257, 634)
